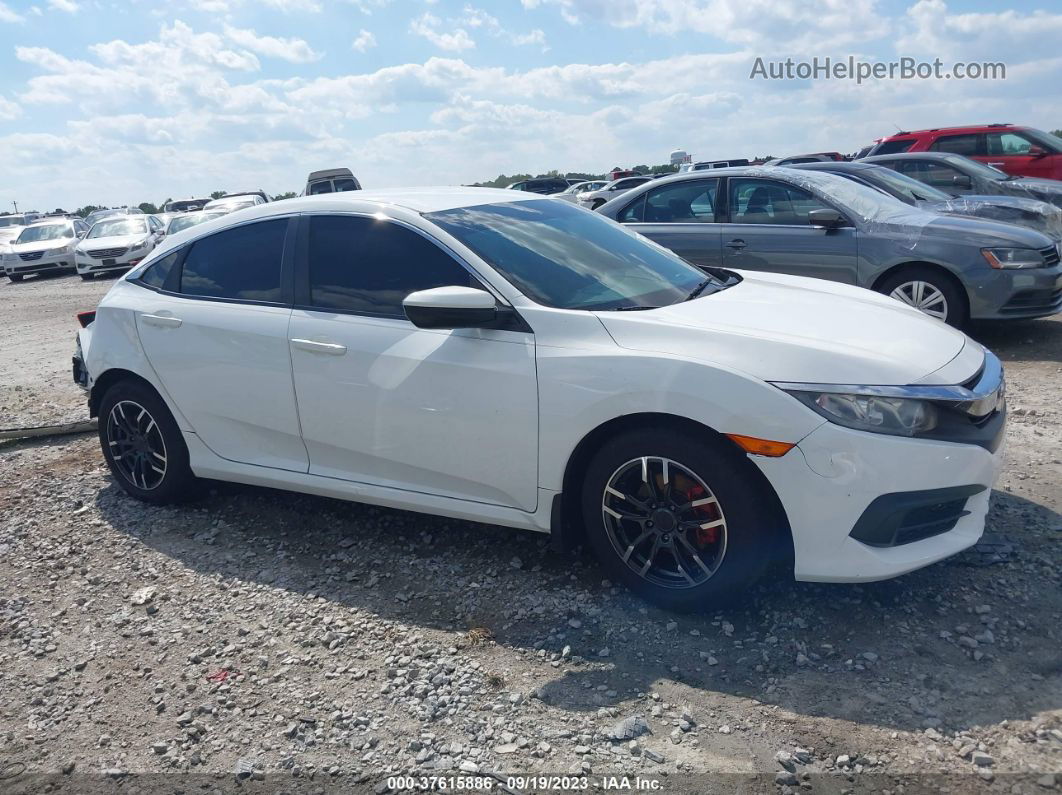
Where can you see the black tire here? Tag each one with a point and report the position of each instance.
(88, 277)
(597, 203)
(142, 479)
(747, 531)
(15, 277)
(957, 307)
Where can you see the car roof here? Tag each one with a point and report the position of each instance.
(916, 155)
(833, 165)
(961, 127)
(329, 172)
(419, 200)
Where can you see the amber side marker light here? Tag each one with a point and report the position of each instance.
(750, 444)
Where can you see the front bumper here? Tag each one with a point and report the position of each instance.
(1015, 294)
(830, 481)
(120, 262)
(46, 262)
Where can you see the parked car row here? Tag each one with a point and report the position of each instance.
(809, 222)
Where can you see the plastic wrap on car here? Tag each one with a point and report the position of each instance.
(1032, 213)
(880, 215)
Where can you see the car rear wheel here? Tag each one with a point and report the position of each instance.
(142, 444)
(928, 291)
(15, 277)
(597, 203)
(86, 276)
(678, 519)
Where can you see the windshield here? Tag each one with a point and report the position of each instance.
(119, 226)
(35, 234)
(561, 256)
(863, 200)
(186, 221)
(902, 185)
(1049, 141)
(11, 220)
(976, 169)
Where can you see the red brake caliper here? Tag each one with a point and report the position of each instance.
(705, 537)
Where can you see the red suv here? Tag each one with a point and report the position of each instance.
(1021, 151)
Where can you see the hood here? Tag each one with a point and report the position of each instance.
(791, 328)
(41, 245)
(114, 241)
(1031, 213)
(1048, 190)
(984, 232)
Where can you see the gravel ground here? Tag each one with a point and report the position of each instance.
(324, 646)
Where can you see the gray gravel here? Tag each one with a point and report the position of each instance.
(255, 633)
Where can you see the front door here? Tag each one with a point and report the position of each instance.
(450, 413)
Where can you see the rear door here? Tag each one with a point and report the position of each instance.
(680, 216)
(768, 230)
(216, 334)
(1012, 151)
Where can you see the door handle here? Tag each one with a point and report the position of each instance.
(162, 321)
(736, 243)
(315, 346)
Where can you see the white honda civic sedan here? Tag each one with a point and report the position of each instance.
(517, 360)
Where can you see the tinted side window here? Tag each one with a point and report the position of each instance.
(156, 273)
(931, 173)
(683, 203)
(241, 263)
(761, 201)
(893, 147)
(324, 186)
(633, 212)
(968, 144)
(369, 266)
(1008, 143)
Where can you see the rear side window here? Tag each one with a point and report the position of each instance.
(321, 187)
(893, 147)
(157, 273)
(241, 263)
(369, 266)
(959, 144)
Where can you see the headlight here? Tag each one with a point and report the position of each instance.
(875, 413)
(1008, 258)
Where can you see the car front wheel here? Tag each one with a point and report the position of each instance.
(929, 292)
(142, 444)
(680, 520)
(15, 277)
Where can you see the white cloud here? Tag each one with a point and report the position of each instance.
(9, 111)
(365, 40)
(477, 18)
(292, 50)
(67, 6)
(292, 6)
(788, 26)
(427, 25)
(8, 14)
(930, 30)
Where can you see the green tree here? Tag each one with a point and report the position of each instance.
(83, 212)
(217, 194)
(1057, 132)
(148, 208)
(281, 196)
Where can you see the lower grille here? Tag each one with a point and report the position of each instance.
(899, 518)
(1046, 301)
(31, 256)
(929, 521)
(107, 253)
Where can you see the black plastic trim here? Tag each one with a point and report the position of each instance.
(889, 520)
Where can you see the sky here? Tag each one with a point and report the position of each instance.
(105, 102)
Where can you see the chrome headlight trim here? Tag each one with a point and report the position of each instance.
(978, 399)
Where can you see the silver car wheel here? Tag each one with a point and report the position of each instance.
(664, 522)
(136, 445)
(924, 297)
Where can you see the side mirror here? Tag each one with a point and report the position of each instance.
(962, 181)
(826, 218)
(450, 308)
(1037, 151)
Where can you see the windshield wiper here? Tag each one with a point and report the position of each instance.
(632, 308)
(700, 288)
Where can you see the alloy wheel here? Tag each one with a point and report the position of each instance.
(664, 522)
(136, 445)
(924, 297)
